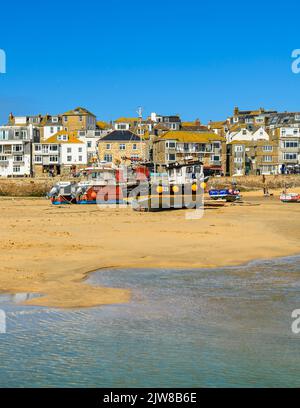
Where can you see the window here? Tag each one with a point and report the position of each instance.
(80, 158)
(89, 144)
(238, 148)
(65, 118)
(216, 145)
(172, 157)
(108, 146)
(216, 158)
(18, 158)
(121, 127)
(80, 118)
(51, 129)
(134, 157)
(69, 158)
(53, 159)
(17, 169)
(170, 145)
(108, 158)
(267, 158)
(17, 148)
(54, 119)
(97, 133)
(134, 146)
(82, 133)
(268, 148)
(53, 148)
(238, 160)
(37, 148)
(69, 149)
(3, 134)
(290, 156)
(38, 159)
(80, 149)
(122, 146)
(290, 144)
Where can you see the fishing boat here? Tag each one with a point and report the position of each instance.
(290, 197)
(229, 195)
(63, 192)
(101, 185)
(180, 186)
(108, 184)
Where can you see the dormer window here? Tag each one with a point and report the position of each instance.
(54, 119)
(63, 137)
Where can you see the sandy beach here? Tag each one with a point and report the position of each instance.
(49, 250)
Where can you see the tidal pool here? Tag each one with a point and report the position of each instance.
(227, 327)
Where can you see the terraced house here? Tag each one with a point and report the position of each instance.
(185, 146)
(78, 119)
(289, 148)
(15, 150)
(122, 146)
(252, 157)
(62, 153)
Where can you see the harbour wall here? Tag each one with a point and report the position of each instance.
(38, 187)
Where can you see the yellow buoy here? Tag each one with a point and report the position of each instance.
(159, 189)
(203, 185)
(175, 189)
(194, 187)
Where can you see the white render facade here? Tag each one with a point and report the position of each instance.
(15, 151)
(289, 149)
(59, 154)
(90, 139)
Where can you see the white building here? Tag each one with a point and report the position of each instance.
(15, 150)
(52, 126)
(245, 134)
(90, 139)
(59, 153)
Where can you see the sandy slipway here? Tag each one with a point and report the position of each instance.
(50, 250)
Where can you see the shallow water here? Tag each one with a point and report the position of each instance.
(183, 328)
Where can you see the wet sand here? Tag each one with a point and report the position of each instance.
(49, 250)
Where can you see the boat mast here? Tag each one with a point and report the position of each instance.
(140, 119)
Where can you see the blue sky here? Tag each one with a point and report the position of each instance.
(195, 58)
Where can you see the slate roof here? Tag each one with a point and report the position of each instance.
(121, 136)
